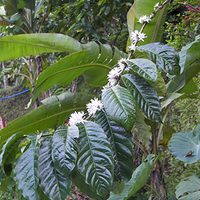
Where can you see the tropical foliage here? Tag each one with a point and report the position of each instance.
(58, 143)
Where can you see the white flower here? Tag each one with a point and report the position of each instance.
(143, 19)
(106, 87)
(77, 117)
(132, 47)
(156, 5)
(113, 75)
(141, 36)
(136, 35)
(93, 106)
(121, 64)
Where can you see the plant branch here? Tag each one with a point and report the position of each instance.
(140, 146)
(22, 66)
(18, 26)
(154, 191)
(162, 124)
(192, 7)
(153, 14)
(24, 76)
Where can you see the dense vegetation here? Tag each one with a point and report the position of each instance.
(113, 94)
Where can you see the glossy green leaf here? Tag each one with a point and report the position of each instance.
(54, 112)
(64, 152)
(159, 85)
(164, 56)
(155, 29)
(191, 143)
(79, 181)
(141, 129)
(9, 147)
(95, 159)
(138, 180)
(54, 185)
(120, 106)
(31, 44)
(144, 68)
(146, 97)
(122, 146)
(26, 170)
(188, 188)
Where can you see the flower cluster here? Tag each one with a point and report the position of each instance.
(77, 117)
(115, 73)
(143, 19)
(93, 106)
(137, 36)
(132, 47)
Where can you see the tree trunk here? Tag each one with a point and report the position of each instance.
(5, 79)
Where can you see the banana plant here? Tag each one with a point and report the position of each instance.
(96, 152)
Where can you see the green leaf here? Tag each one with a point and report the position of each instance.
(144, 68)
(38, 7)
(10, 147)
(138, 180)
(146, 97)
(142, 130)
(122, 146)
(159, 85)
(190, 88)
(26, 3)
(53, 113)
(190, 53)
(155, 29)
(179, 82)
(118, 187)
(64, 153)
(95, 160)
(67, 69)
(10, 7)
(188, 188)
(79, 181)
(88, 62)
(169, 99)
(31, 44)
(120, 106)
(26, 170)
(191, 143)
(164, 56)
(55, 185)
(167, 134)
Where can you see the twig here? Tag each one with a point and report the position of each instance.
(141, 147)
(154, 191)
(192, 7)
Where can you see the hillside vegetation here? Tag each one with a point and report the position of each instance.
(14, 107)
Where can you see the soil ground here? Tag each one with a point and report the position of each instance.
(14, 107)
